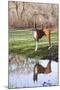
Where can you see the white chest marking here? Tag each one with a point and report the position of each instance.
(36, 71)
(35, 34)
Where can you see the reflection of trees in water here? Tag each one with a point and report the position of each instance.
(21, 63)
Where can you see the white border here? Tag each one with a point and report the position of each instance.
(4, 44)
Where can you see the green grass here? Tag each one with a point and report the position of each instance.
(22, 42)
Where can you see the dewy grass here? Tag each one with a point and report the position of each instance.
(22, 42)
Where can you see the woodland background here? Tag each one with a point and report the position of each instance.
(20, 14)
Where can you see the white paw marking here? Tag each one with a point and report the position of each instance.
(35, 49)
(49, 47)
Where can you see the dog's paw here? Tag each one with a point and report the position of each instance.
(49, 47)
(35, 49)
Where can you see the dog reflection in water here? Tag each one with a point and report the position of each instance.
(38, 69)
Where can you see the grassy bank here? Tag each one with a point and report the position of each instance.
(22, 42)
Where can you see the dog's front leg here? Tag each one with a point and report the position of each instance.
(36, 45)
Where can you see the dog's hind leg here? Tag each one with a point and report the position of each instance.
(48, 35)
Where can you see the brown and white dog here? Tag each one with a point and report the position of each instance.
(42, 26)
(38, 34)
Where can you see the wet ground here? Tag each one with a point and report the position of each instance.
(21, 72)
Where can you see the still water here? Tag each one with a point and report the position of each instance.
(22, 75)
